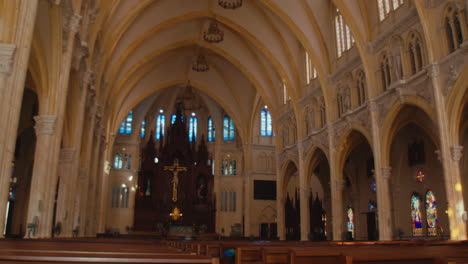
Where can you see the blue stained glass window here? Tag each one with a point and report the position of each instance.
(193, 129)
(173, 118)
(228, 129)
(266, 128)
(126, 126)
(374, 186)
(211, 130)
(160, 126)
(143, 129)
(118, 161)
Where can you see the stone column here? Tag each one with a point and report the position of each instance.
(92, 184)
(6, 152)
(39, 204)
(247, 193)
(303, 194)
(382, 177)
(281, 223)
(64, 214)
(384, 204)
(14, 57)
(456, 208)
(336, 188)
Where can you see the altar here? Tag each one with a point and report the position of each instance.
(176, 191)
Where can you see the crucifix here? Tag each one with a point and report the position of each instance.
(175, 180)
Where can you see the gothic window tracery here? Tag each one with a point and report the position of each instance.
(385, 72)
(311, 71)
(361, 88)
(228, 167)
(343, 100)
(415, 53)
(453, 28)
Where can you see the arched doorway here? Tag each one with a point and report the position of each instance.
(292, 203)
(359, 192)
(417, 184)
(319, 196)
(22, 167)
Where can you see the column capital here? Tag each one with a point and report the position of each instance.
(75, 22)
(457, 152)
(386, 173)
(67, 155)
(433, 70)
(6, 57)
(45, 124)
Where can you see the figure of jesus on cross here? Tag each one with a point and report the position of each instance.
(175, 180)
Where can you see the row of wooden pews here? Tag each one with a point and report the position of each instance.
(95, 251)
(280, 252)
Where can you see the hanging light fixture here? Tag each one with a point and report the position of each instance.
(214, 34)
(200, 65)
(230, 4)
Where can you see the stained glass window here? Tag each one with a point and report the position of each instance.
(372, 205)
(350, 221)
(431, 213)
(416, 218)
(173, 118)
(118, 161)
(211, 130)
(126, 126)
(266, 128)
(160, 127)
(228, 129)
(387, 6)
(228, 167)
(193, 129)
(344, 39)
(420, 176)
(311, 71)
(143, 129)
(374, 186)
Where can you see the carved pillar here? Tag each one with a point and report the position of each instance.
(14, 57)
(337, 186)
(456, 208)
(93, 182)
(6, 152)
(39, 202)
(280, 200)
(64, 214)
(382, 176)
(303, 193)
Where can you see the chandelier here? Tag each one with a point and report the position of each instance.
(214, 34)
(230, 4)
(200, 64)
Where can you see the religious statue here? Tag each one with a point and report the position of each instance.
(175, 179)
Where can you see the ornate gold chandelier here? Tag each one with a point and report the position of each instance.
(230, 4)
(214, 34)
(200, 65)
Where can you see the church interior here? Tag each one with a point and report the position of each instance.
(299, 121)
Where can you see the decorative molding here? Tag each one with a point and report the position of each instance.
(67, 155)
(45, 125)
(80, 51)
(7, 52)
(386, 173)
(457, 153)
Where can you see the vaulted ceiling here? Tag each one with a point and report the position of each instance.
(147, 45)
